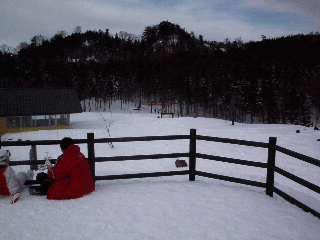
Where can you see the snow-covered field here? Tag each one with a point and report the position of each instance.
(169, 207)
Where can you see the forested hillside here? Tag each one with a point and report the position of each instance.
(277, 80)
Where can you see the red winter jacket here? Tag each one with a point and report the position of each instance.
(3, 184)
(71, 176)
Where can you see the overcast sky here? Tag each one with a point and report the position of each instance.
(215, 20)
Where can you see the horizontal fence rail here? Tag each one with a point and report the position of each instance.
(147, 138)
(298, 180)
(232, 160)
(30, 162)
(231, 179)
(299, 156)
(296, 202)
(141, 157)
(142, 175)
(28, 143)
(233, 141)
(192, 155)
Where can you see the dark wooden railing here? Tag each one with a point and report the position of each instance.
(296, 179)
(270, 166)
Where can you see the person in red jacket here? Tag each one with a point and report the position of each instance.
(71, 176)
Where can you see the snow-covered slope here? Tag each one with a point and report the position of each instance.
(169, 207)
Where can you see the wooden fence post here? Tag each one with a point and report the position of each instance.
(33, 157)
(192, 155)
(91, 154)
(271, 165)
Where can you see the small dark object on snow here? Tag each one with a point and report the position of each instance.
(316, 128)
(298, 131)
(318, 140)
(36, 190)
(181, 163)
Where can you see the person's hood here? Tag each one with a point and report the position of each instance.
(4, 155)
(71, 149)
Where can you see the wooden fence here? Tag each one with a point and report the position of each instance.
(270, 166)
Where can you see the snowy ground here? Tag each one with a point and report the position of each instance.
(170, 207)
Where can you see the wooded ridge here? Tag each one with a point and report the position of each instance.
(275, 79)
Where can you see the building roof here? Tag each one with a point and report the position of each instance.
(29, 101)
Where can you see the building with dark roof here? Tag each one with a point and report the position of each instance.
(25, 109)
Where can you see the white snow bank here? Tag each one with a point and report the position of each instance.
(169, 207)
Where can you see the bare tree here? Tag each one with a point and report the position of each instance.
(37, 40)
(77, 29)
(4, 48)
(22, 45)
(62, 33)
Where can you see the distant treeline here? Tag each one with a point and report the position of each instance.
(275, 79)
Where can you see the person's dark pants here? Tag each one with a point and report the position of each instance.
(45, 182)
